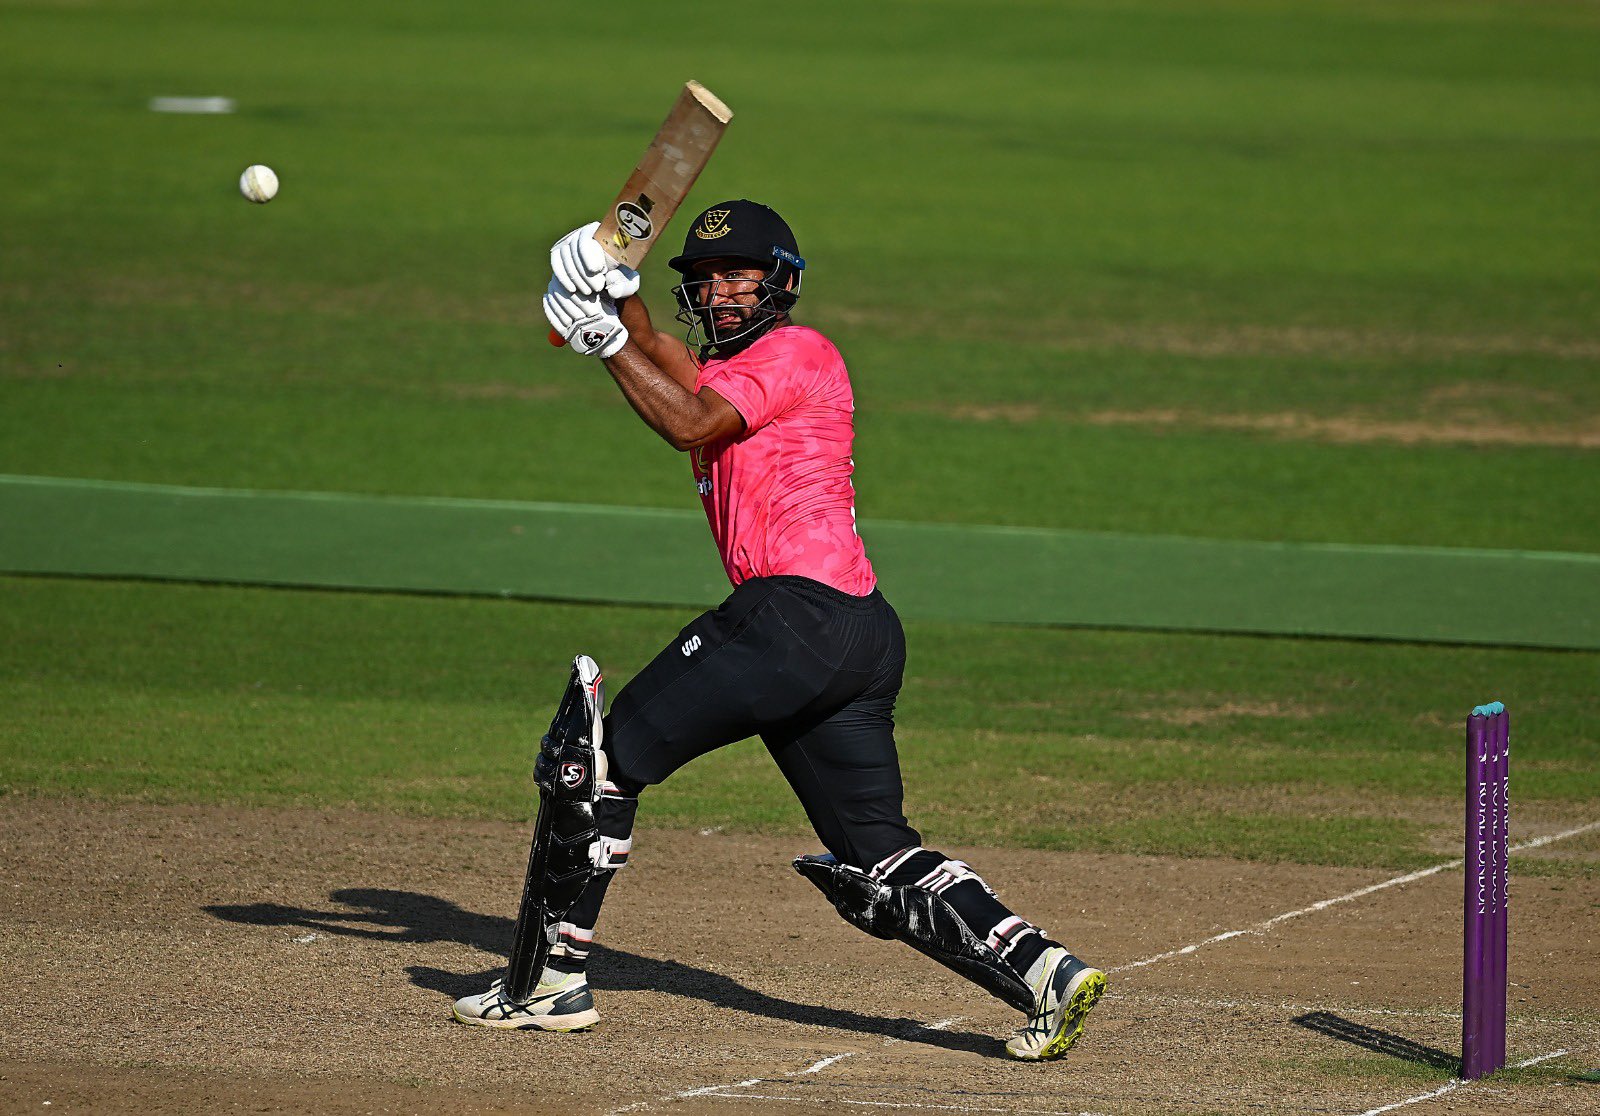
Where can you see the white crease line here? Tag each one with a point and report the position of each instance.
(1526, 1062)
(1409, 877)
(939, 1026)
(1538, 841)
(1456, 1082)
(721, 1090)
(707, 1090)
(703, 1090)
(831, 1101)
(1453, 1083)
(826, 1062)
(1168, 1000)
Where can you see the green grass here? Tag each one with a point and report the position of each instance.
(1338, 212)
(1243, 268)
(1318, 751)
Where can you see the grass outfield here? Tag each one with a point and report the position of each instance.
(1270, 269)
(1258, 269)
(1310, 750)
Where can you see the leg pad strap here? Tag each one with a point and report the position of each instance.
(918, 917)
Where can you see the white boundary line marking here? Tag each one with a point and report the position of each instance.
(1456, 1083)
(1323, 904)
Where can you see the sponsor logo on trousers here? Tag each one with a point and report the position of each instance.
(691, 645)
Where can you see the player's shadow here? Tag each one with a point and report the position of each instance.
(1380, 1042)
(412, 918)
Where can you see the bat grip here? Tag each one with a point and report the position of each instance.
(556, 339)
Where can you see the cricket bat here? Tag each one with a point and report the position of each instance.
(663, 178)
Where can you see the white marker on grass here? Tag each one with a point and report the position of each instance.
(204, 106)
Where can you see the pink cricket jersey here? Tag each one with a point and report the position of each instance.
(779, 497)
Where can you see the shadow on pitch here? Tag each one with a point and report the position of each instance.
(414, 919)
(1380, 1042)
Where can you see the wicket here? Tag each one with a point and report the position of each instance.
(1483, 1001)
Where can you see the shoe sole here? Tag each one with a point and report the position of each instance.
(580, 1021)
(1085, 992)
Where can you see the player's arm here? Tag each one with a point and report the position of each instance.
(668, 405)
(664, 397)
(666, 352)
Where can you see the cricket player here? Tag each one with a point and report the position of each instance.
(806, 653)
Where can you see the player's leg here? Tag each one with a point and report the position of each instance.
(937, 905)
(944, 909)
(725, 674)
(568, 851)
(562, 1000)
(846, 772)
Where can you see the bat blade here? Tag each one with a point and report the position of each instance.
(662, 178)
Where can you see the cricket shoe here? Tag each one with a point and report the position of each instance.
(1067, 989)
(562, 1002)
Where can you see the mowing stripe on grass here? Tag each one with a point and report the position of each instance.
(623, 555)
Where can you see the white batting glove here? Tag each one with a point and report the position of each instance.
(622, 282)
(583, 268)
(590, 324)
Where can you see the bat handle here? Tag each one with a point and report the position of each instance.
(556, 339)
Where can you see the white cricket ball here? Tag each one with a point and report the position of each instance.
(258, 183)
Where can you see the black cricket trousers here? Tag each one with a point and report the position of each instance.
(814, 672)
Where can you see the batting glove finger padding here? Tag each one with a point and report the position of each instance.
(622, 282)
(579, 263)
(589, 324)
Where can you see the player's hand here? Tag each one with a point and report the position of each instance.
(621, 282)
(583, 267)
(590, 324)
(579, 263)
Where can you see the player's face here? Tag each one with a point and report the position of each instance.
(728, 289)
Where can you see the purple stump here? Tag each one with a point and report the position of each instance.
(1500, 797)
(1483, 1001)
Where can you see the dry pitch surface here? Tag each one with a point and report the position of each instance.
(180, 959)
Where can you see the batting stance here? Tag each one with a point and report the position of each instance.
(806, 652)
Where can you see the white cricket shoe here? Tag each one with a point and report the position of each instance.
(1067, 989)
(561, 1002)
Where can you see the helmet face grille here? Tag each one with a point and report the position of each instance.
(694, 311)
(737, 230)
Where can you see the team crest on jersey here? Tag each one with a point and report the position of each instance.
(702, 470)
(714, 224)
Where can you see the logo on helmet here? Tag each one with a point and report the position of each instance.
(714, 225)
